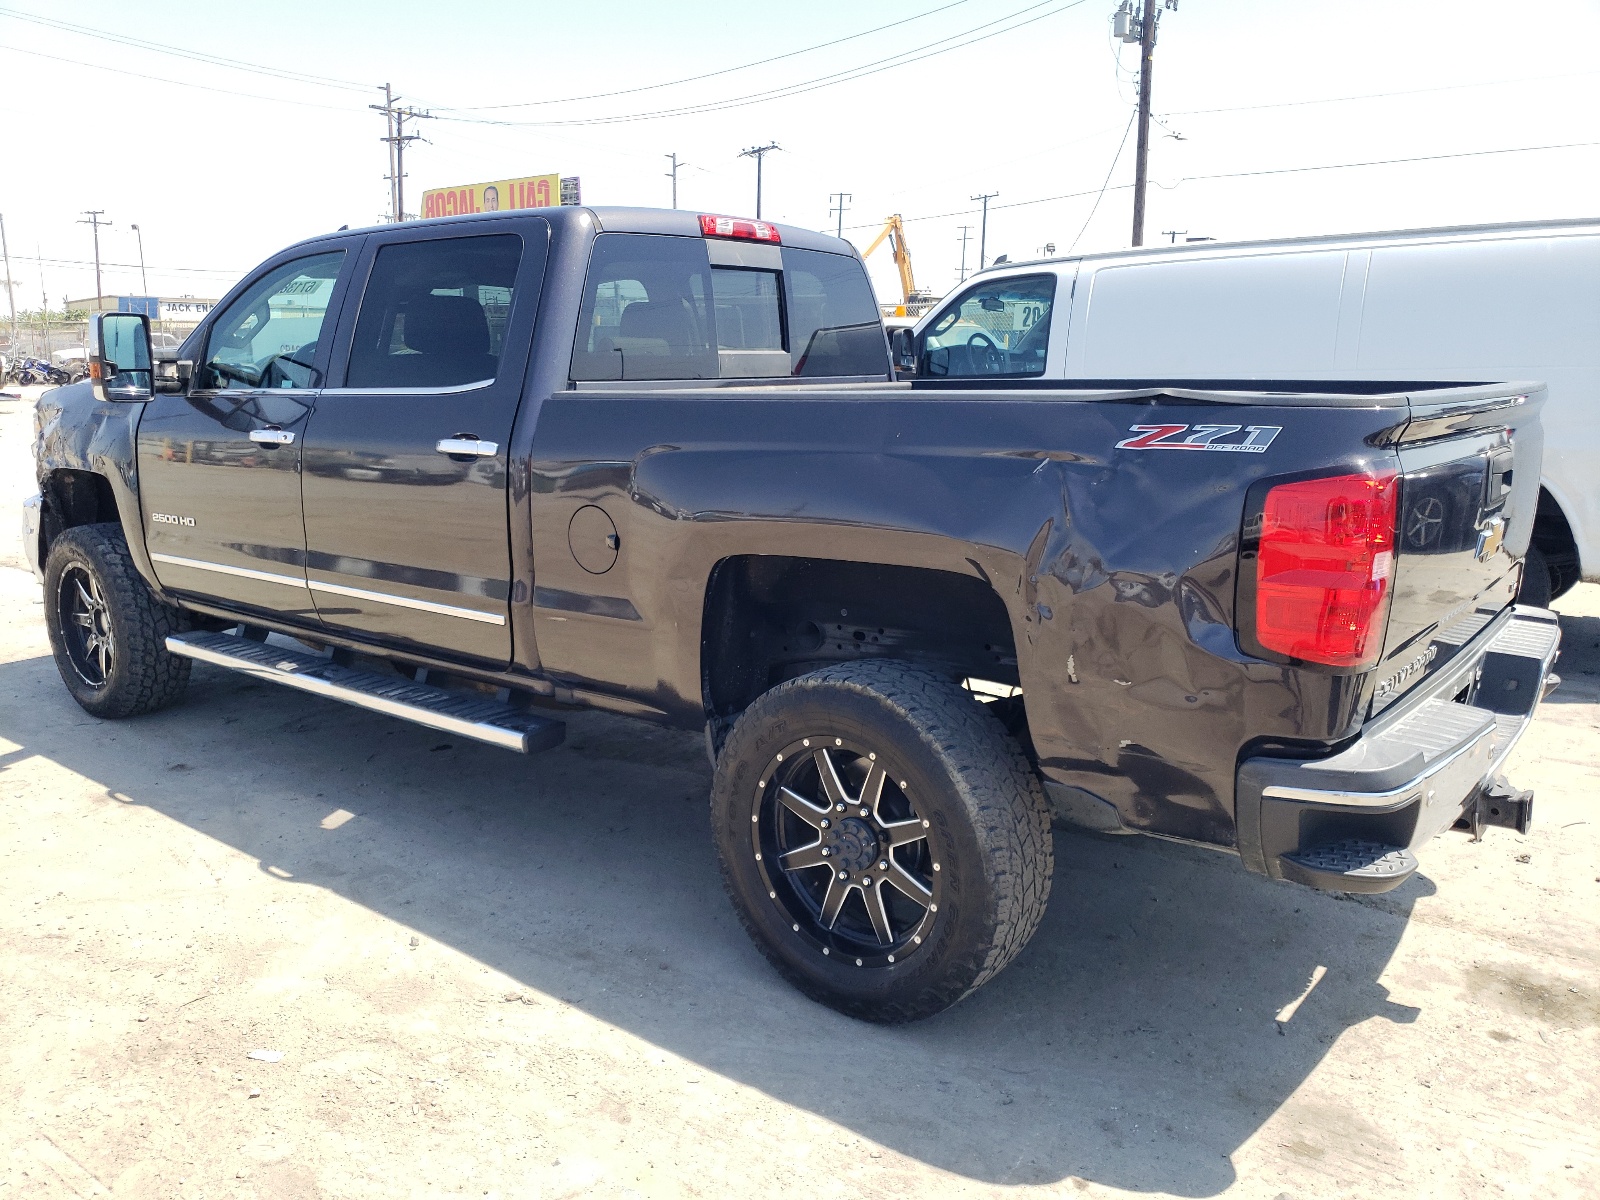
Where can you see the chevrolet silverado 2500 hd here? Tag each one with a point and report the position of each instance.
(474, 472)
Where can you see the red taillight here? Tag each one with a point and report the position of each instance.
(1323, 568)
(738, 227)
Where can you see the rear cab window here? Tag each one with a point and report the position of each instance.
(664, 307)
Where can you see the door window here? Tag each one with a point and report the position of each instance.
(646, 310)
(434, 313)
(997, 328)
(268, 337)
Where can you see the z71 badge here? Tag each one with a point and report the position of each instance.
(1201, 437)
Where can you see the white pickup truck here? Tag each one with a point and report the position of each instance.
(1518, 301)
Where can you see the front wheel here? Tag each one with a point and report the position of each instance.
(108, 631)
(885, 842)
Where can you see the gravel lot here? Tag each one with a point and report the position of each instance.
(495, 976)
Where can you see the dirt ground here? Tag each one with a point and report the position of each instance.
(475, 974)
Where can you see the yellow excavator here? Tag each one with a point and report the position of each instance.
(912, 302)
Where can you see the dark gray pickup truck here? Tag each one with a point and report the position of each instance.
(476, 471)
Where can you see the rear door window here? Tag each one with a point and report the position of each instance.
(654, 307)
(997, 328)
(434, 313)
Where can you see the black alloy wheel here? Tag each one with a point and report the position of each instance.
(107, 629)
(85, 625)
(885, 842)
(844, 850)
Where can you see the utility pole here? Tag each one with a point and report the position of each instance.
(387, 109)
(395, 119)
(94, 216)
(5, 250)
(1173, 235)
(1142, 29)
(841, 197)
(983, 229)
(758, 153)
(965, 236)
(143, 282)
(673, 174)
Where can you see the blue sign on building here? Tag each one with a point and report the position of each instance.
(150, 306)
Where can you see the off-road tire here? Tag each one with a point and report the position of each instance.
(142, 676)
(988, 826)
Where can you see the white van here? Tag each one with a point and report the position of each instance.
(1482, 303)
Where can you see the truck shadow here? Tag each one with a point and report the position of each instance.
(1579, 666)
(1133, 1044)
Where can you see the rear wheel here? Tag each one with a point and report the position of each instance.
(884, 840)
(107, 630)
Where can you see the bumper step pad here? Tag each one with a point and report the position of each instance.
(1353, 865)
(465, 714)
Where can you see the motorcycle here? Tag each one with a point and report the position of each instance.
(26, 371)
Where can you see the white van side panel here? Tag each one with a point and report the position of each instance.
(1515, 308)
(1472, 306)
(1453, 306)
(1262, 315)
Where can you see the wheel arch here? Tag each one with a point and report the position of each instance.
(769, 618)
(1553, 535)
(71, 498)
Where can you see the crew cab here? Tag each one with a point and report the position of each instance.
(475, 472)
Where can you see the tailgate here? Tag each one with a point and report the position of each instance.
(1467, 499)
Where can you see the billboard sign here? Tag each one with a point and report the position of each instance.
(150, 306)
(500, 195)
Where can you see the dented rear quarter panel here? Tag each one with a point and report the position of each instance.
(1116, 566)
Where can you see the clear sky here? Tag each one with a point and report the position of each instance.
(220, 166)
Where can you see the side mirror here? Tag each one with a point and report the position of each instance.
(903, 349)
(119, 356)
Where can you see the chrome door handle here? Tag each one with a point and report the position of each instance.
(468, 446)
(272, 436)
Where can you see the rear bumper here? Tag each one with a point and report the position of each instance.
(1409, 776)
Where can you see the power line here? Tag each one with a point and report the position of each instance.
(86, 262)
(75, 62)
(1115, 159)
(651, 87)
(178, 52)
(905, 58)
(1381, 162)
(1450, 87)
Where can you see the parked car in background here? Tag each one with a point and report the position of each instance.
(1513, 301)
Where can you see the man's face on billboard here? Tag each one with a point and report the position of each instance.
(491, 199)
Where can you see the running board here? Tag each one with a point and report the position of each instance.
(450, 712)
